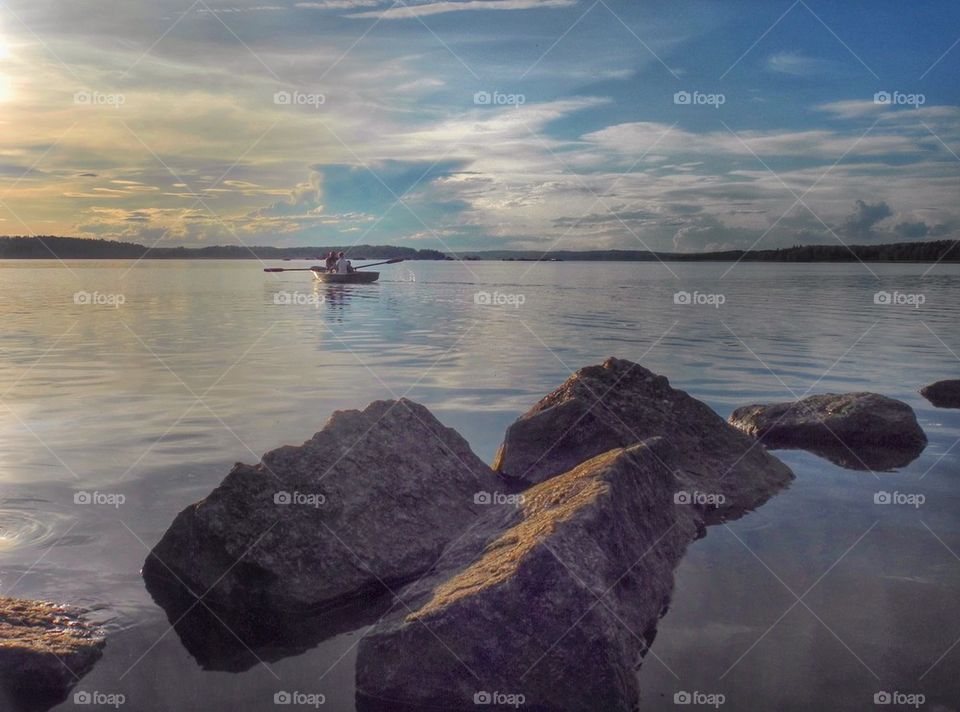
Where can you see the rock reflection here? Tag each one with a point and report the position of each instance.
(237, 640)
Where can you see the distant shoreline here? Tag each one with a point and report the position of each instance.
(72, 248)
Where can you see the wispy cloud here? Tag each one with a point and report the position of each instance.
(403, 11)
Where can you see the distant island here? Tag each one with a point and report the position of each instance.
(73, 248)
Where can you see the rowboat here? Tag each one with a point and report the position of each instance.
(349, 278)
(355, 277)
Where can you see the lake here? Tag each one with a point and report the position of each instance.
(136, 386)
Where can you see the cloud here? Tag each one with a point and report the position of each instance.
(404, 12)
(795, 64)
(865, 215)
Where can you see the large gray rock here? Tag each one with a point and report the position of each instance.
(943, 394)
(44, 649)
(368, 503)
(854, 423)
(619, 403)
(550, 599)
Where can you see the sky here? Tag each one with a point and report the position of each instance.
(481, 124)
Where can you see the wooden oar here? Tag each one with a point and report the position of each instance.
(292, 269)
(385, 262)
(314, 269)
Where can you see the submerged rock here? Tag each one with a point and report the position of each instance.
(366, 504)
(619, 403)
(44, 649)
(858, 427)
(943, 394)
(545, 602)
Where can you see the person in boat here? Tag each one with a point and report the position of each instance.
(331, 262)
(343, 264)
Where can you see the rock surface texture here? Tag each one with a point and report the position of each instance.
(620, 403)
(44, 649)
(943, 394)
(368, 503)
(831, 419)
(548, 599)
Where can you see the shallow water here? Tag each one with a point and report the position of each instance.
(146, 404)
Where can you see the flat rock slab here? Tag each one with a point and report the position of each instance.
(44, 649)
(619, 403)
(853, 427)
(943, 394)
(366, 504)
(548, 600)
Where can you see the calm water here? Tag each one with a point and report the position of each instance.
(154, 399)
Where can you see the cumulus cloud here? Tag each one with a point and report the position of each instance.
(865, 216)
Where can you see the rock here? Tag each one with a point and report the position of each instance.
(943, 394)
(44, 649)
(620, 403)
(858, 424)
(550, 599)
(365, 505)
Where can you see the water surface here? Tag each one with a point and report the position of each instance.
(204, 364)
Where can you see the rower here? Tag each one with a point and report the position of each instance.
(343, 264)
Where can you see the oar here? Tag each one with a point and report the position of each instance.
(385, 262)
(314, 269)
(291, 269)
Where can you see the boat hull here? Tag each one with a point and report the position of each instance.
(350, 278)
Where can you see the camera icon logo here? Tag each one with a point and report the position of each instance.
(482, 498)
(282, 98)
(682, 698)
(682, 498)
(882, 498)
(682, 98)
(82, 98)
(882, 97)
(682, 298)
(82, 298)
(282, 698)
(482, 98)
(882, 298)
(82, 698)
(282, 498)
(282, 297)
(882, 698)
(82, 498)
(482, 298)
(482, 698)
